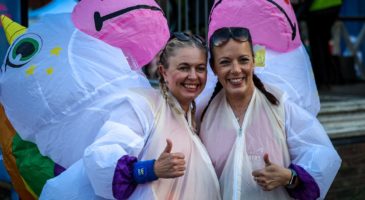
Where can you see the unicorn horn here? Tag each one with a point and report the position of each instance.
(12, 29)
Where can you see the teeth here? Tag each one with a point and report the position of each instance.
(235, 80)
(190, 86)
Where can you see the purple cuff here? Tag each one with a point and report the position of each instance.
(307, 188)
(58, 169)
(123, 182)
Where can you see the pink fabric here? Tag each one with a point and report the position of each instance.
(140, 33)
(268, 25)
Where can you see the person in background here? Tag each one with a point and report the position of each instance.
(320, 16)
(261, 144)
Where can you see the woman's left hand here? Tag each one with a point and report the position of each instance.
(271, 176)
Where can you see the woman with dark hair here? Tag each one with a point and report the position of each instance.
(262, 145)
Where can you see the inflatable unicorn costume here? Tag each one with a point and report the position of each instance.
(61, 76)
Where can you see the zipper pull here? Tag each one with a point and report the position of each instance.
(240, 131)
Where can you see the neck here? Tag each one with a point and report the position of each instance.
(239, 104)
(185, 107)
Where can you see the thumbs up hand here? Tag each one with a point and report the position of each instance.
(266, 160)
(272, 175)
(169, 165)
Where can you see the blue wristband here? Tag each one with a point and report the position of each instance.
(143, 171)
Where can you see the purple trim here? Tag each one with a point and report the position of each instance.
(123, 182)
(307, 188)
(58, 169)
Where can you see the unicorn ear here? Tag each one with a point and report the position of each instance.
(12, 29)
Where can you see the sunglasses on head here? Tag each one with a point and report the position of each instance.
(221, 36)
(181, 36)
(184, 37)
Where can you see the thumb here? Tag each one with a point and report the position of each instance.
(266, 159)
(168, 146)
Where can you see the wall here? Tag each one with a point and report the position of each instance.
(350, 181)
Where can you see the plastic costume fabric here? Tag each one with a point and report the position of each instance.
(55, 82)
(280, 57)
(286, 132)
(136, 26)
(151, 120)
(49, 99)
(60, 86)
(28, 169)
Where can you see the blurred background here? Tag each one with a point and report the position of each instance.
(333, 32)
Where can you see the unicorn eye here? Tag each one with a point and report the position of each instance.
(23, 50)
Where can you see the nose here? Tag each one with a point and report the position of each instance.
(192, 74)
(236, 68)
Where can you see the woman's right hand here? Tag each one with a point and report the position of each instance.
(169, 165)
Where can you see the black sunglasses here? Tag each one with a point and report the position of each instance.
(186, 37)
(222, 35)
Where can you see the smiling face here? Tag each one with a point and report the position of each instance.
(233, 63)
(186, 74)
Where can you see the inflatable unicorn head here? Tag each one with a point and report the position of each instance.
(59, 79)
(136, 26)
(53, 81)
(281, 59)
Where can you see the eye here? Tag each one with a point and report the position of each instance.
(184, 68)
(244, 60)
(224, 62)
(23, 50)
(201, 68)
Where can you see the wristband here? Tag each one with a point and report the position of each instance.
(143, 171)
(293, 179)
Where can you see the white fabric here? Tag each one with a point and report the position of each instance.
(258, 134)
(204, 97)
(72, 184)
(102, 156)
(292, 73)
(276, 130)
(64, 102)
(153, 121)
(310, 147)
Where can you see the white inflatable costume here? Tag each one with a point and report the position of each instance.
(67, 87)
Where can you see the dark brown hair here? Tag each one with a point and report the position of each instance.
(257, 82)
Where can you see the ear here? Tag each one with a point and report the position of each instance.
(162, 71)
